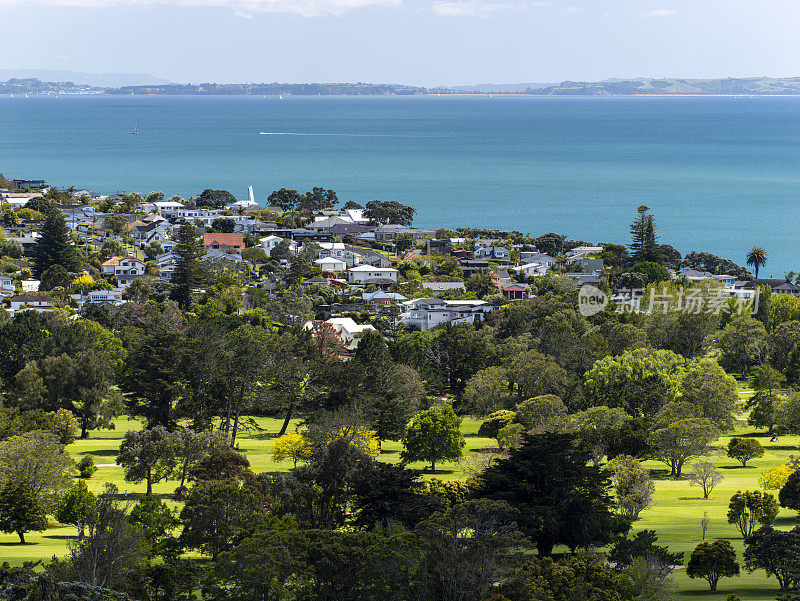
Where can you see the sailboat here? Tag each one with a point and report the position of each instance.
(136, 127)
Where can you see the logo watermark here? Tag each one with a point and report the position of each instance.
(592, 301)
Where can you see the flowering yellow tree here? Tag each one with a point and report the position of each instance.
(774, 478)
(292, 446)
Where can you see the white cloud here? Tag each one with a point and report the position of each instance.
(244, 8)
(573, 9)
(658, 12)
(479, 8)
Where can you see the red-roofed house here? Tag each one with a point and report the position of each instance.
(125, 269)
(228, 243)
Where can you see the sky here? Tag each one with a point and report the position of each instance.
(421, 42)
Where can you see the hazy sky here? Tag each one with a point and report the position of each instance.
(426, 42)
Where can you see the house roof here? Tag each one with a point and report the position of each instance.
(362, 268)
(112, 261)
(330, 261)
(436, 286)
(29, 298)
(133, 224)
(226, 239)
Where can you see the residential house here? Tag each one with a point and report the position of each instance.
(269, 243)
(349, 331)
(348, 229)
(35, 302)
(515, 291)
(156, 231)
(7, 287)
(98, 297)
(495, 254)
(438, 247)
(470, 267)
(28, 243)
(462, 254)
(777, 286)
(167, 208)
(589, 264)
(380, 297)
(125, 269)
(30, 285)
(580, 251)
(367, 274)
(370, 257)
(537, 257)
(429, 313)
(29, 184)
(331, 264)
(530, 269)
(228, 243)
(390, 233)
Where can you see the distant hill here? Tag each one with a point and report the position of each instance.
(766, 86)
(500, 88)
(100, 80)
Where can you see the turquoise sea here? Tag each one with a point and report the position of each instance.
(720, 174)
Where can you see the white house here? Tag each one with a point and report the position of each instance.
(98, 297)
(125, 269)
(537, 257)
(331, 264)
(167, 208)
(580, 251)
(7, 287)
(367, 274)
(35, 302)
(269, 243)
(347, 329)
(497, 254)
(531, 269)
(428, 313)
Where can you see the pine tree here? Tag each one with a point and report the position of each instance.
(54, 246)
(644, 241)
(187, 274)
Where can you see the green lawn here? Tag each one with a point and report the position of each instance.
(675, 516)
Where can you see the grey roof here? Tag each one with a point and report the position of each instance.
(444, 285)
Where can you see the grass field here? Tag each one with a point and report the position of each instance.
(675, 516)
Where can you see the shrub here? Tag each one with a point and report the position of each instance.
(495, 422)
(86, 466)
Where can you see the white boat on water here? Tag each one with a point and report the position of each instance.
(136, 127)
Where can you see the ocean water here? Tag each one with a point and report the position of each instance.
(720, 174)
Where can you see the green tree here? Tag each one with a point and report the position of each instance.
(148, 455)
(643, 545)
(682, 439)
(789, 494)
(639, 381)
(749, 508)
(560, 498)
(744, 449)
(632, 484)
(713, 561)
(534, 374)
(643, 236)
(20, 509)
(215, 199)
(775, 552)
(40, 460)
(76, 507)
(546, 413)
(286, 200)
(756, 258)
(225, 225)
(742, 344)
(391, 211)
(54, 246)
(188, 274)
(433, 435)
(494, 422)
(598, 427)
(712, 391)
(156, 521)
(765, 402)
(215, 513)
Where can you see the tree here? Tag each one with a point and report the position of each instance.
(639, 381)
(756, 258)
(286, 200)
(292, 446)
(38, 459)
(748, 508)
(433, 435)
(110, 552)
(225, 225)
(192, 447)
(546, 413)
(389, 212)
(642, 544)
(713, 561)
(317, 200)
(54, 246)
(742, 344)
(156, 521)
(775, 552)
(550, 243)
(534, 374)
(765, 403)
(494, 422)
(20, 509)
(774, 478)
(744, 449)
(560, 498)
(215, 199)
(215, 513)
(712, 391)
(680, 440)
(789, 494)
(148, 455)
(187, 275)
(632, 484)
(705, 474)
(76, 507)
(643, 237)
(598, 426)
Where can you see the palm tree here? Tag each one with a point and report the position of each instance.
(757, 257)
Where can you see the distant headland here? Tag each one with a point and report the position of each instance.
(758, 86)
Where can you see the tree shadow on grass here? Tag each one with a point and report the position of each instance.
(101, 453)
(737, 467)
(700, 498)
(60, 536)
(782, 447)
(786, 521)
(19, 544)
(438, 472)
